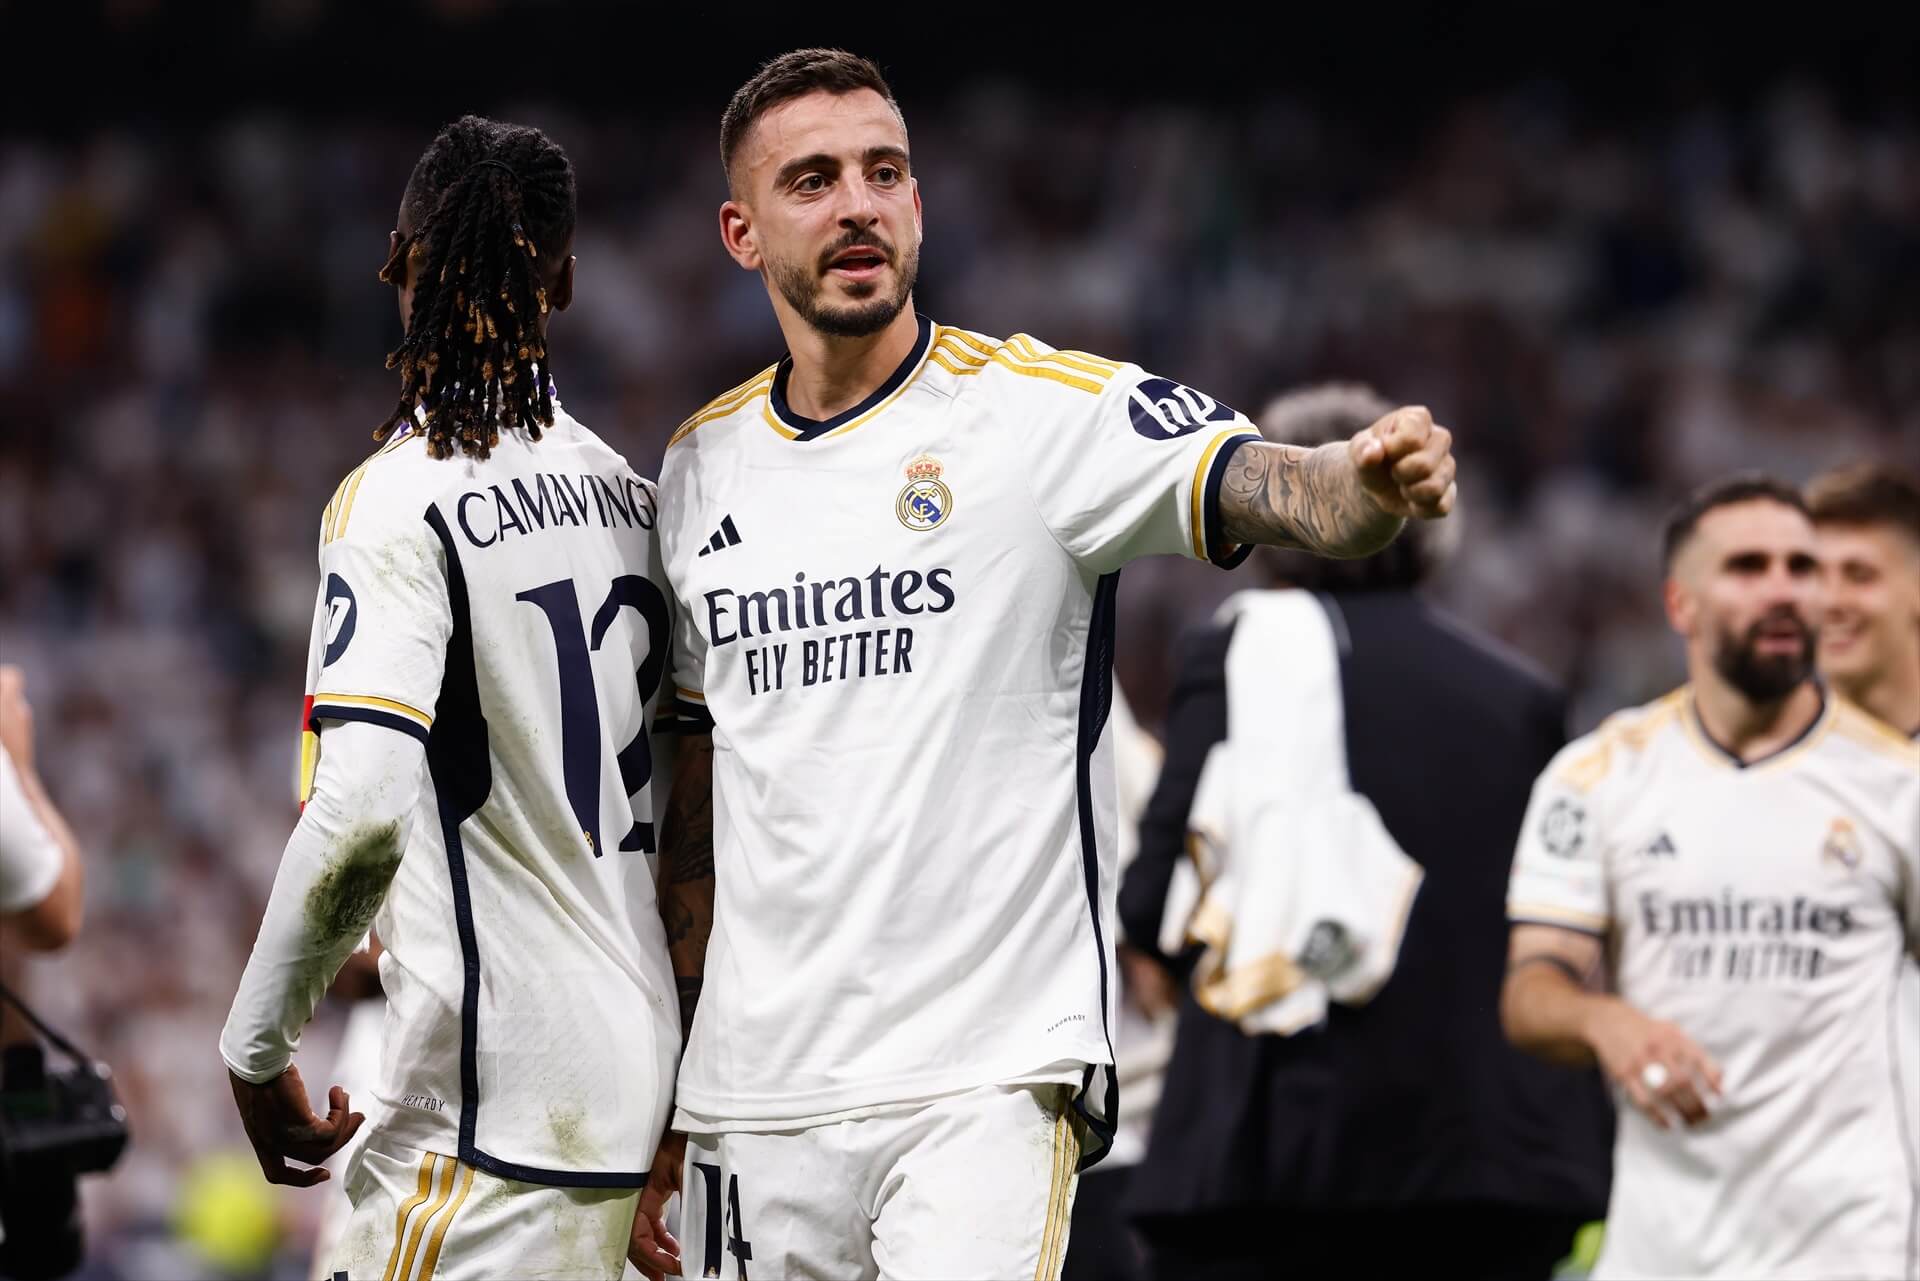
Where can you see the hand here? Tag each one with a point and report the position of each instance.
(1406, 464)
(280, 1124)
(651, 1248)
(16, 719)
(1628, 1043)
(1145, 983)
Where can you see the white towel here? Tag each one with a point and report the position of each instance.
(1306, 892)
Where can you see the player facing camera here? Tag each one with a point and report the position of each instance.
(55, 1125)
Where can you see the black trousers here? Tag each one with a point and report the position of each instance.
(1100, 1244)
(1476, 1241)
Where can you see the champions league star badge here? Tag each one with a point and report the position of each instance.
(926, 501)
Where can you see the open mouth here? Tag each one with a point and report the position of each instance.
(1780, 638)
(862, 262)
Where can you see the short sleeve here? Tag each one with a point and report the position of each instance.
(687, 699)
(1560, 866)
(1121, 464)
(383, 622)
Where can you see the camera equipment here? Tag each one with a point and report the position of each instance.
(54, 1126)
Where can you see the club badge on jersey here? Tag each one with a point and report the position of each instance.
(1842, 846)
(926, 501)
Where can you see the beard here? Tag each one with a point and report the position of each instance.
(1765, 678)
(802, 286)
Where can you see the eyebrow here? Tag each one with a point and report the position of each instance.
(821, 160)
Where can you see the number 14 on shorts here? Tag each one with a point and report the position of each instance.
(737, 1244)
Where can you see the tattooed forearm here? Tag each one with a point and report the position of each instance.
(686, 869)
(1286, 496)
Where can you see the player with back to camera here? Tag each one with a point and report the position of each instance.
(491, 632)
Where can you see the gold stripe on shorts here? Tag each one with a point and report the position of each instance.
(449, 1169)
(1055, 1187)
(440, 1233)
(407, 1207)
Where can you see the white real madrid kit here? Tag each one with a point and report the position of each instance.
(1767, 910)
(509, 615)
(900, 621)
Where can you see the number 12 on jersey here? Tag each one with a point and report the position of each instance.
(573, 646)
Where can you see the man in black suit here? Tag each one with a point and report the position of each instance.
(1405, 1135)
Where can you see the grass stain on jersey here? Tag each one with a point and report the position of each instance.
(569, 1138)
(343, 901)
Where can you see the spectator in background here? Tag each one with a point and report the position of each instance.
(41, 881)
(1868, 518)
(1404, 1136)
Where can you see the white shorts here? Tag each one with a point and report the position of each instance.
(420, 1215)
(356, 1069)
(973, 1185)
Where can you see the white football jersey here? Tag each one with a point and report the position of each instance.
(509, 613)
(901, 623)
(1765, 910)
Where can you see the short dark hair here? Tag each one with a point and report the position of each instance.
(1323, 414)
(1867, 494)
(483, 198)
(794, 75)
(1746, 487)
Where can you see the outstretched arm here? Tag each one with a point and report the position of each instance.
(1341, 500)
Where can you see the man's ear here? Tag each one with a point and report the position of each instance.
(562, 292)
(393, 271)
(1680, 606)
(736, 235)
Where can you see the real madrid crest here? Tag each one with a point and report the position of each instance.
(926, 501)
(1842, 845)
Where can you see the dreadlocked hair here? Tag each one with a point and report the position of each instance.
(484, 200)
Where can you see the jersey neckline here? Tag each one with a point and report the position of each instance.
(799, 427)
(1725, 755)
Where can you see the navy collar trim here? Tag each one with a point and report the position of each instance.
(1733, 758)
(813, 428)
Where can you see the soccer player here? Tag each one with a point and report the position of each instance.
(896, 554)
(1868, 517)
(1711, 899)
(490, 634)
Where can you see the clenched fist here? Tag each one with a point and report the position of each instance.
(1406, 465)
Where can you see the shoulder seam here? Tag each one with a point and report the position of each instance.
(333, 522)
(1631, 731)
(1068, 369)
(724, 405)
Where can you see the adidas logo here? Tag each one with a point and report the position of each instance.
(725, 536)
(1660, 846)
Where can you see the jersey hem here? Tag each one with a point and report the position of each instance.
(799, 1111)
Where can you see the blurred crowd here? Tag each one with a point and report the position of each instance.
(191, 339)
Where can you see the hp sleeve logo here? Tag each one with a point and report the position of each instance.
(1165, 410)
(342, 613)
